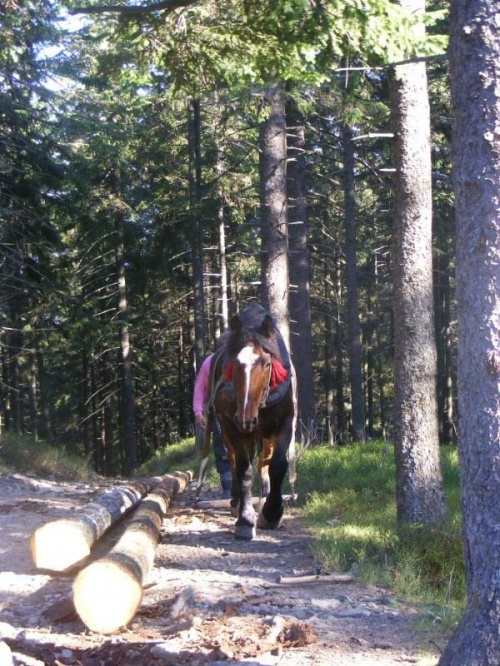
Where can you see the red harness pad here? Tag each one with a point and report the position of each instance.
(278, 374)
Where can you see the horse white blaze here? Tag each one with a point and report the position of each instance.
(247, 358)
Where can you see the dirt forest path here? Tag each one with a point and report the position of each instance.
(211, 599)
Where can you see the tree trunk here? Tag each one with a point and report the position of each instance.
(419, 485)
(475, 72)
(108, 417)
(32, 393)
(273, 211)
(127, 384)
(329, 357)
(84, 397)
(355, 361)
(224, 298)
(194, 132)
(378, 335)
(299, 269)
(97, 447)
(6, 378)
(339, 360)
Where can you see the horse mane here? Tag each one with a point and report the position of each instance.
(254, 325)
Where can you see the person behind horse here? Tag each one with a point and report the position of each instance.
(201, 396)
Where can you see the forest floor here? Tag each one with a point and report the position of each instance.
(211, 599)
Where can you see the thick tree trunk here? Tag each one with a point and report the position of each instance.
(108, 593)
(475, 73)
(355, 360)
(299, 269)
(419, 486)
(127, 385)
(194, 132)
(273, 207)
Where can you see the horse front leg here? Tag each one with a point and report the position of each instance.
(245, 523)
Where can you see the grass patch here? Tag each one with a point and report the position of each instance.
(356, 485)
(24, 454)
(180, 456)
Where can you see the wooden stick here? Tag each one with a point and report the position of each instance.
(61, 544)
(320, 578)
(224, 503)
(108, 592)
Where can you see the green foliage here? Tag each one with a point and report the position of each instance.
(355, 485)
(24, 454)
(180, 456)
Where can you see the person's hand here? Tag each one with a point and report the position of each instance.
(201, 420)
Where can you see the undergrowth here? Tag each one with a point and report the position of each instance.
(181, 456)
(24, 454)
(349, 501)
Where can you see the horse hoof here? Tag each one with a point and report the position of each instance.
(264, 524)
(244, 532)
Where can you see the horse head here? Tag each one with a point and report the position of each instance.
(251, 371)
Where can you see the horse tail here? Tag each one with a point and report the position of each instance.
(292, 472)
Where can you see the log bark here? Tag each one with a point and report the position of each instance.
(108, 592)
(64, 543)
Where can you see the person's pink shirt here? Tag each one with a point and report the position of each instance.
(201, 387)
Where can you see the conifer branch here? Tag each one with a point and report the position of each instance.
(135, 10)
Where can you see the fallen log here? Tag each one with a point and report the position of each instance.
(66, 542)
(319, 578)
(108, 593)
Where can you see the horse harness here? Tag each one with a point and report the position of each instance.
(269, 398)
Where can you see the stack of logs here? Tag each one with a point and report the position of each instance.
(107, 593)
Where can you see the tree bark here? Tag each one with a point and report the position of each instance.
(194, 132)
(419, 485)
(299, 270)
(273, 207)
(127, 385)
(475, 73)
(355, 360)
(108, 593)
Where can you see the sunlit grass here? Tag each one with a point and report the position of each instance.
(24, 454)
(356, 486)
(179, 456)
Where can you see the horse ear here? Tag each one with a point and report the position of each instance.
(267, 326)
(236, 324)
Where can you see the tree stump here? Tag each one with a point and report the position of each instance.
(108, 593)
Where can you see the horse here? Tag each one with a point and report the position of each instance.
(254, 399)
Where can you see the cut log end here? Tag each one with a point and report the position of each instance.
(59, 545)
(106, 596)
